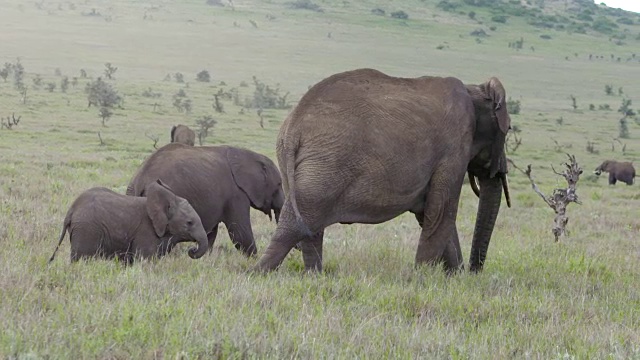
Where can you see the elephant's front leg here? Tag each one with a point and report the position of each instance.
(238, 223)
(612, 178)
(439, 237)
(312, 252)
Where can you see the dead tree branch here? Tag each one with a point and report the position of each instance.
(512, 144)
(102, 143)
(153, 137)
(560, 198)
(10, 122)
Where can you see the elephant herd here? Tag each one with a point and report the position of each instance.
(360, 147)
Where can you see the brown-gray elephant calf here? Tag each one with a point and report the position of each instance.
(182, 134)
(102, 223)
(364, 147)
(222, 183)
(617, 170)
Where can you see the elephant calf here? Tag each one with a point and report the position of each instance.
(182, 134)
(622, 171)
(107, 224)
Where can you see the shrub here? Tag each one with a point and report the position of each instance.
(102, 94)
(64, 84)
(447, 6)
(266, 97)
(608, 89)
(513, 106)
(604, 25)
(378, 11)
(204, 124)
(305, 5)
(149, 93)
(499, 18)
(203, 76)
(625, 20)
(399, 15)
(472, 15)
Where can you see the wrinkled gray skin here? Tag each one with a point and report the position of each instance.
(222, 183)
(102, 223)
(182, 134)
(364, 147)
(622, 171)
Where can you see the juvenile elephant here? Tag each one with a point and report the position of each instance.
(365, 147)
(107, 224)
(182, 134)
(622, 171)
(220, 182)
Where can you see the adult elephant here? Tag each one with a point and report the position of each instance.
(222, 183)
(365, 147)
(617, 170)
(103, 223)
(182, 134)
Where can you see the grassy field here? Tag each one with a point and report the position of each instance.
(578, 298)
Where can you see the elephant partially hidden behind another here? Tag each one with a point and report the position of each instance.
(622, 171)
(222, 183)
(365, 147)
(182, 134)
(107, 224)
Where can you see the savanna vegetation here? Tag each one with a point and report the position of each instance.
(88, 89)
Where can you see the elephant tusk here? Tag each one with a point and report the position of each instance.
(473, 181)
(505, 187)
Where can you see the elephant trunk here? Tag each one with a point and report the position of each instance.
(203, 244)
(488, 207)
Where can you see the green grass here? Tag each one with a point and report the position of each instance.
(579, 298)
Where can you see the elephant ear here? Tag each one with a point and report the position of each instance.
(496, 93)
(250, 174)
(160, 203)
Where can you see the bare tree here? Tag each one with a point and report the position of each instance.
(155, 138)
(109, 70)
(560, 198)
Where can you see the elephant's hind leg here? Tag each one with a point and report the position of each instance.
(288, 233)
(85, 243)
(312, 252)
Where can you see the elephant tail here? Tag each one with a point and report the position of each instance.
(290, 160)
(173, 132)
(65, 227)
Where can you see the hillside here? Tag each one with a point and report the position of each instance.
(232, 71)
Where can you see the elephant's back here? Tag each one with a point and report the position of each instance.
(200, 175)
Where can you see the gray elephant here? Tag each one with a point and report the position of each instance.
(365, 147)
(222, 183)
(106, 224)
(617, 170)
(182, 134)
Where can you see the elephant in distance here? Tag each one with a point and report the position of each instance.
(182, 134)
(622, 171)
(106, 224)
(222, 183)
(364, 147)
